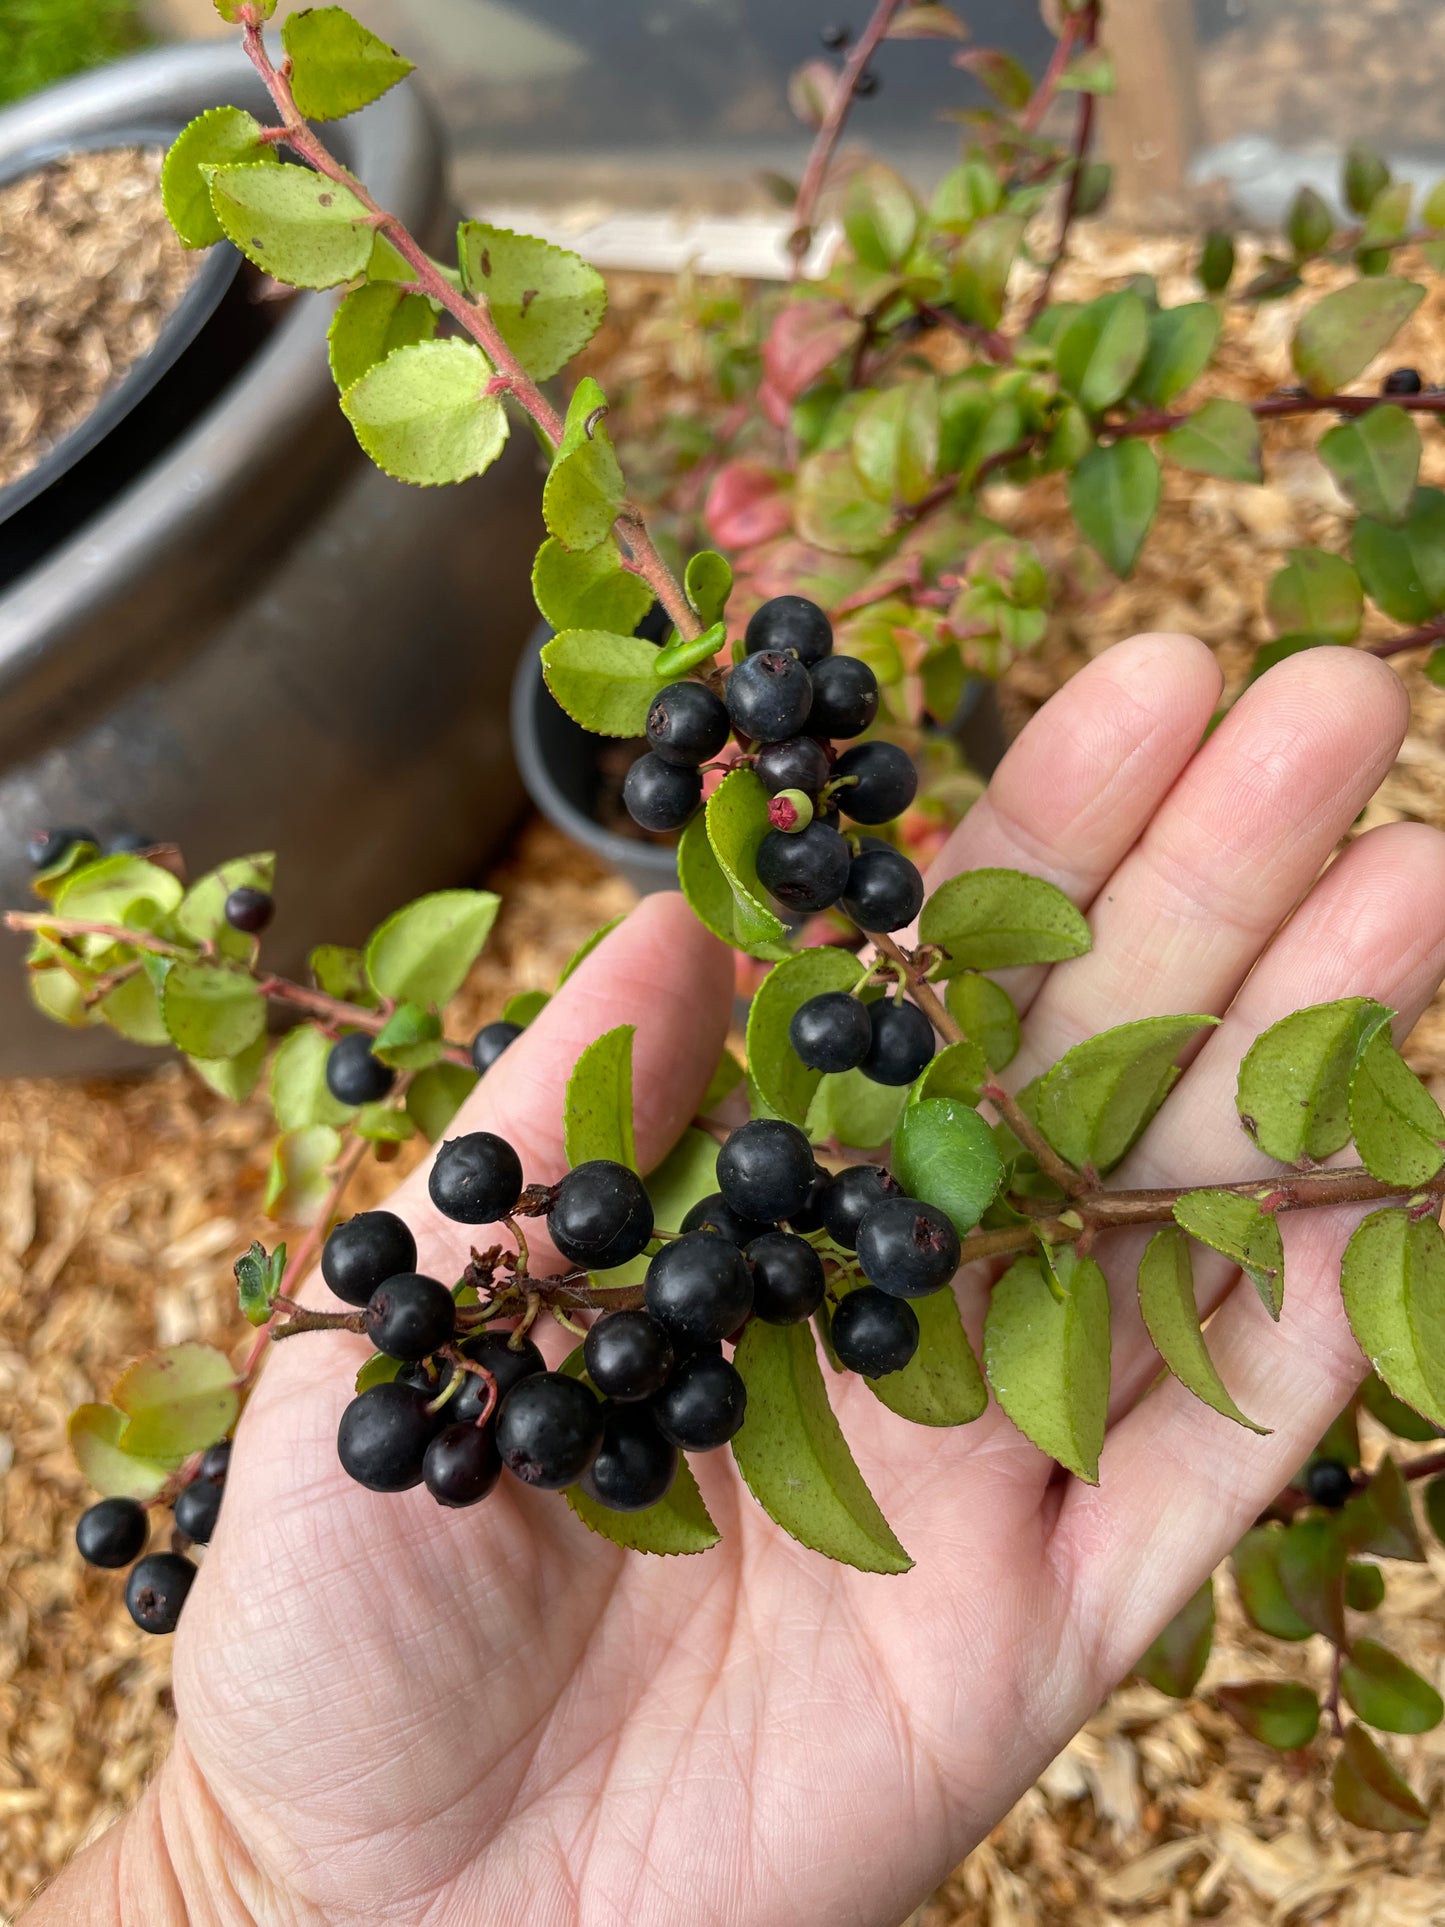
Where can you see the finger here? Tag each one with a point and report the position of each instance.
(1234, 845)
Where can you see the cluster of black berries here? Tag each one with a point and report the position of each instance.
(46, 848)
(114, 1532)
(890, 1040)
(788, 701)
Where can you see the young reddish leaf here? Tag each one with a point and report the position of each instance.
(1294, 1083)
(784, 1081)
(1342, 333)
(1311, 1557)
(598, 1120)
(95, 1433)
(1392, 1281)
(1176, 1660)
(926, 22)
(1113, 494)
(1386, 1693)
(1368, 1790)
(805, 339)
(1048, 1362)
(749, 503)
(1381, 1519)
(1281, 1713)
(177, 1401)
(421, 953)
(1398, 1128)
(1261, 1591)
(1095, 1102)
(1005, 78)
(994, 919)
(1166, 1301)
(1243, 1232)
(811, 89)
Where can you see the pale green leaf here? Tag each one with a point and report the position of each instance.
(95, 1433)
(1244, 1232)
(598, 1119)
(712, 899)
(1392, 1281)
(434, 1096)
(737, 821)
(370, 323)
(945, 1154)
(291, 221)
(985, 1014)
(424, 416)
(337, 66)
(1166, 1301)
(1397, 1126)
(220, 136)
(177, 1401)
(588, 588)
(605, 682)
(202, 911)
(1221, 438)
(1294, 1082)
(547, 303)
(1048, 1362)
(212, 1009)
(785, 1082)
(1342, 333)
(1376, 461)
(1096, 1101)
(299, 1096)
(421, 954)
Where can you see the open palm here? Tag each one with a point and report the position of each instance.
(393, 1713)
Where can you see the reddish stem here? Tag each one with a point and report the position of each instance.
(1087, 34)
(815, 173)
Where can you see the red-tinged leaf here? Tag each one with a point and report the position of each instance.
(1000, 73)
(747, 504)
(1312, 1572)
(1177, 1658)
(926, 22)
(1281, 1713)
(1381, 1519)
(804, 338)
(811, 88)
(1369, 1792)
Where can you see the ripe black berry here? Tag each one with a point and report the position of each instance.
(383, 1435)
(628, 1355)
(700, 1286)
(601, 1215)
(874, 1334)
(810, 1217)
(353, 1075)
(364, 1252)
(711, 1214)
(661, 795)
(49, 847)
(765, 1170)
(128, 843)
(866, 85)
(797, 763)
(884, 890)
(111, 1532)
(769, 696)
(462, 1464)
(1402, 381)
(831, 1032)
(490, 1041)
(410, 1316)
(548, 1430)
(851, 1195)
(906, 1248)
(1329, 1483)
(845, 697)
(475, 1179)
(835, 38)
(788, 1282)
(635, 1465)
(805, 870)
(197, 1508)
(687, 723)
(702, 1404)
(878, 782)
(790, 622)
(215, 1462)
(249, 910)
(507, 1364)
(902, 1042)
(156, 1590)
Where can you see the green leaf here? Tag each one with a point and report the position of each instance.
(1311, 1557)
(298, 1178)
(118, 889)
(177, 1401)
(1221, 438)
(1316, 594)
(1103, 348)
(880, 217)
(678, 1523)
(958, 1071)
(784, 1080)
(945, 1154)
(1048, 1362)
(220, 136)
(1113, 494)
(599, 1101)
(993, 919)
(336, 65)
(236, 1077)
(1342, 333)
(341, 973)
(378, 1370)
(895, 441)
(834, 508)
(1280, 1713)
(1005, 78)
(1309, 224)
(410, 1039)
(724, 1080)
(547, 304)
(1246, 1234)
(1392, 1281)
(1166, 1301)
(1091, 72)
(1381, 1520)
(258, 1279)
(299, 1096)
(708, 583)
(1403, 569)
(421, 954)
(941, 1384)
(588, 588)
(1387, 221)
(95, 1433)
(605, 682)
(383, 1123)
(684, 654)
(1175, 1662)
(1095, 1102)
(202, 911)
(133, 1009)
(370, 323)
(737, 821)
(1398, 1128)
(978, 285)
(1434, 667)
(1435, 1507)
(1216, 262)
(294, 223)
(423, 415)
(1364, 1587)
(795, 1460)
(1261, 1592)
(852, 1109)
(1376, 461)
(1394, 1414)
(712, 899)
(1365, 176)
(986, 1015)
(434, 1096)
(212, 1009)
(1294, 1083)
(1369, 1792)
(584, 490)
(525, 1006)
(1181, 340)
(587, 946)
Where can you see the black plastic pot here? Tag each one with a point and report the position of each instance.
(251, 639)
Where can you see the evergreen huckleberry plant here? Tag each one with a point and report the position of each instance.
(883, 1149)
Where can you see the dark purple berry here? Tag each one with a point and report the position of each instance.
(628, 1355)
(797, 763)
(364, 1252)
(788, 1281)
(1329, 1483)
(112, 1532)
(660, 795)
(845, 698)
(884, 890)
(156, 1591)
(409, 1317)
(702, 1405)
(476, 1179)
(769, 696)
(490, 1041)
(687, 723)
(874, 1334)
(832, 1032)
(462, 1464)
(48, 847)
(1402, 381)
(810, 1217)
(790, 623)
(835, 38)
(548, 1430)
(711, 1214)
(765, 1170)
(635, 1465)
(508, 1365)
(906, 1248)
(353, 1075)
(877, 782)
(866, 85)
(215, 1462)
(806, 870)
(601, 1215)
(699, 1285)
(383, 1435)
(197, 1508)
(901, 1044)
(851, 1195)
(249, 910)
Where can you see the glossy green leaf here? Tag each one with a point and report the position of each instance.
(1220, 438)
(958, 1071)
(1394, 1414)
(410, 1039)
(1278, 1712)
(851, 1109)
(176, 1401)
(1113, 494)
(1048, 1362)
(1381, 1519)
(1364, 1587)
(1096, 1101)
(986, 1015)
(546, 302)
(1398, 1128)
(337, 66)
(421, 954)
(95, 1433)
(993, 919)
(737, 821)
(1376, 461)
(202, 910)
(941, 1384)
(880, 216)
(298, 1178)
(708, 583)
(217, 138)
(434, 1096)
(299, 1096)
(371, 321)
(1246, 1234)
(1392, 1281)
(1103, 348)
(294, 223)
(785, 1081)
(233, 1078)
(945, 1154)
(605, 682)
(598, 1119)
(1403, 569)
(1166, 1301)
(584, 489)
(1294, 1083)
(1181, 340)
(1311, 1559)
(712, 899)
(341, 972)
(1261, 1591)
(795, 1460)
(1341, 334)
(212, 1009)
(424, 416)
(895, 441)
(1368, 1790)
(685, 653)
(1174, 1663)
(259, 1274)
(588, 588)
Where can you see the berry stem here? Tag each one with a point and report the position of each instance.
(1080, 30)
(299, 1262)
(334, 1010)
(461, 1363)
(820, 158)
(1330, 1704)
(81, 927)
(300, 1320)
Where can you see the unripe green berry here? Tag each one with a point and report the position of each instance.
(790, 810)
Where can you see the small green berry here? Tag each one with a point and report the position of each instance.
(790, 810)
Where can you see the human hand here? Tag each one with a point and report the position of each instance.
(389, 1713)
